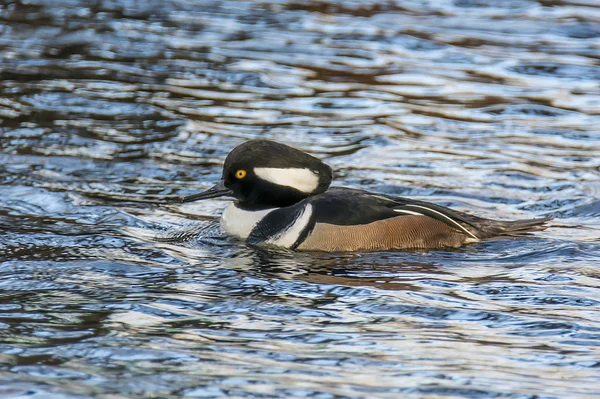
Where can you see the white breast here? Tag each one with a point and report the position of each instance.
(238, 222)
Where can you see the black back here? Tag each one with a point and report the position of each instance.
(344, 206)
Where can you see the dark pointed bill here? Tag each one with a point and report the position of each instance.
(218, 190)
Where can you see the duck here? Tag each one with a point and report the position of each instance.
(283, 198)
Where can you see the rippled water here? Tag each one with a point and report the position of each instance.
(113, 109)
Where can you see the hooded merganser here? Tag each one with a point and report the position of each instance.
(282, 199)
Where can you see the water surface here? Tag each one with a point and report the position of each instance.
(111, 110)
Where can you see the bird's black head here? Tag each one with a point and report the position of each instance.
(267, 174)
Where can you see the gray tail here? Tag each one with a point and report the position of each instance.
(487, 228)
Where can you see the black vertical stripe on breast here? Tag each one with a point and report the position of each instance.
(277, 222)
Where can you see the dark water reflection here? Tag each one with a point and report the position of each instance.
(112, 109)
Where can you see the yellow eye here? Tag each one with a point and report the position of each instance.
(240, 174)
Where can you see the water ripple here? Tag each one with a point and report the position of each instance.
(111, 111)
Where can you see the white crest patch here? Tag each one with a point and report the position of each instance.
(289, 236)
(238, 222)
(301, 179)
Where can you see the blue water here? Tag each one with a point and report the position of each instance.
(112, 110)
